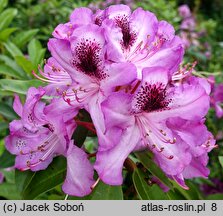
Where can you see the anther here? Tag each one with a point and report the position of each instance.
(172, 141)
(28, 163)
(162, 132)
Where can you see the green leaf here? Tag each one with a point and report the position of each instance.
(191, 194)
(36, 52)
(12, 64)
(18, 86)
(9, 191)
(6, 17)
(22, 38)
(3, 126)
(25, 64)
(3, 4)
(217, 196)
(7, 111)
(148, 163)
(106, 192)
(43, 181)
(175, 195)
(4, 34)
(8, 71)
(7, 160)
(145, 191)
(13, 49)
(102, 192)
(23, 179)
(81, 132)
(9, 175)
(220, 158)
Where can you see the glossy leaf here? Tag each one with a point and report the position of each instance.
(9, 175)
(7, 160)
(9, 191)
(4, 34)
(191, 194)
(6, 17)
(175, 195)
(22, 38)
(13, 49)
(8, 71)
(81, 132)
(7, 111)
(106, 192)
(220, 158)
(18, 86)
(145, 159)
(3, 4)
(217, 196)
(36, 52)
(145, 191)
(103, 192)
(3, 126)
(42, 181)
(23, 179)
(12, 64)
(25, 64)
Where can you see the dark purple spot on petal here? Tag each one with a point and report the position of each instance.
(87, 58)
(152, 97)
(128, 36)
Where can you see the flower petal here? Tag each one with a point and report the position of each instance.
(81, 16)
(80, 172)
(197, 167)
(189, 102)
(145, 24)
(17, 105)
(109, 163)
(117, 76)
(169, 57)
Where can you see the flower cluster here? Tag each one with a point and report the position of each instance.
(123, 68)
(216, 97)
(189, 34)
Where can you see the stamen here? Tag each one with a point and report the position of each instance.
(95, 184)
(135, 87)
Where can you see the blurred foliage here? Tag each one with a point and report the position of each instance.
(26, 26)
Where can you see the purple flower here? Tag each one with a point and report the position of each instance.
(184, 11)
(93, 78)
(41, 135)
(140, 38)
(188, 24)
(217, 187)
(162, 117)
(136, 37)
(59, 80)
(217, 100)
(122, 67)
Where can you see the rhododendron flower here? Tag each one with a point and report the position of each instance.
(139, 38)
(59, 80)
(83, 57)
(39, 136)
(123, 68)
(215, 188)
(184, 11)
(136, 37)
(217, 100)
(163, 118)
